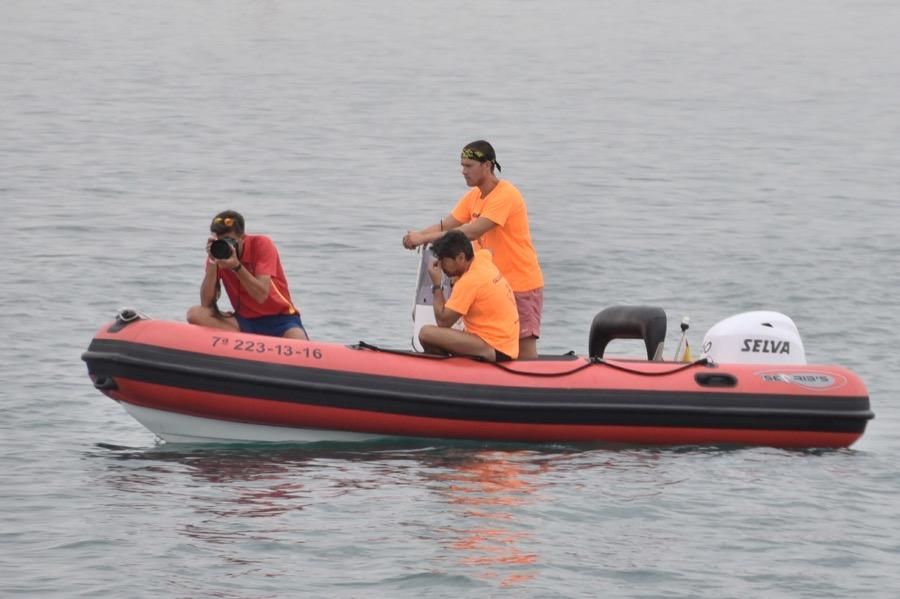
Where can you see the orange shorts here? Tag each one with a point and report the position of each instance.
(530, 305)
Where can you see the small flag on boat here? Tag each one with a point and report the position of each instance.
(687, 352)
(683, 342)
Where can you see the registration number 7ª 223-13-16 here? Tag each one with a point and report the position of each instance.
(261, 347)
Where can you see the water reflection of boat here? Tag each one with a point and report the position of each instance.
(462, 507)
(258, 484)
(486, 491)
(192, 384)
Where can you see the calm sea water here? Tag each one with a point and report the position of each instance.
(705, 157)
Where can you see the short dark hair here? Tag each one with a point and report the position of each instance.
(452, 244)
(227, 221)
(481, 151)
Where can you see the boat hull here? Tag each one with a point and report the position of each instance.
(191, 384)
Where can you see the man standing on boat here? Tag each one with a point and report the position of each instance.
(250, 268)
(493, 214)
(481, 296)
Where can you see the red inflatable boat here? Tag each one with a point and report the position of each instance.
(191, 384)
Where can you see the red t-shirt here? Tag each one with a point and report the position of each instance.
(259, 257)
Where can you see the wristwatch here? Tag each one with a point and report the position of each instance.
(437, 288)
(237, 268)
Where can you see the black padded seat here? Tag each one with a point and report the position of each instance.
(628, 322)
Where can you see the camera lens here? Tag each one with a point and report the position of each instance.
(220, 249)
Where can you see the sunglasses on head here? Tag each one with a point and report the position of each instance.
(227, 221)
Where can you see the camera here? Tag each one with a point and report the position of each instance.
(220, 249)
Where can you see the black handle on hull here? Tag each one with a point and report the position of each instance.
(105, 383)
(715, 379)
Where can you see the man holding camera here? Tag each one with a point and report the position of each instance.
(481, 297)
(250, 269)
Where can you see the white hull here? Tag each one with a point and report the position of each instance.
(181, 428)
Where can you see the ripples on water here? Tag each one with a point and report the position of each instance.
(708, 159)
(345, 521)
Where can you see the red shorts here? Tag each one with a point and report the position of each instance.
(530, 305)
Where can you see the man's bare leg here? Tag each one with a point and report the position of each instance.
(295, 333)
(458, 343)
(528, 348)
(206, 317)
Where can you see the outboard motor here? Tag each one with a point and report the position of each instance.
(628, 322)
(754, 338)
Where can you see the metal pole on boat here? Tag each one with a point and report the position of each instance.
(683, 348)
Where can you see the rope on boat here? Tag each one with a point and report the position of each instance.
(599, 362)
(400, 352)
(129, 314)
(679, 368)
(503, 365)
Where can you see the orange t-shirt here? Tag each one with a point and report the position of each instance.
(260, 258)
(487, 305)
(510, 240)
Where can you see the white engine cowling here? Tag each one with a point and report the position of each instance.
(754, 338)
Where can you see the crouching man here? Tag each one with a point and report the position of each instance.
(481, 296)
(250, 268)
